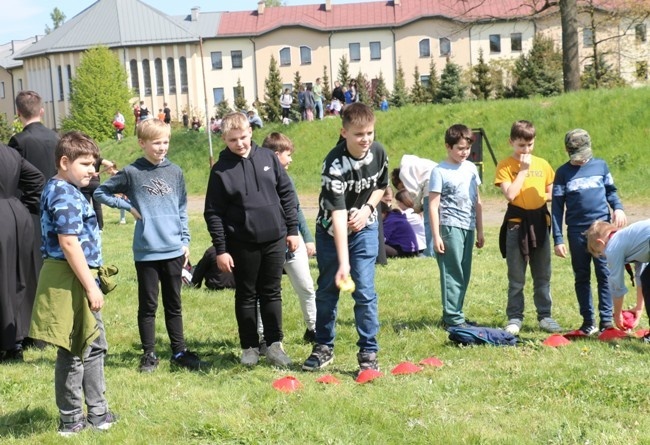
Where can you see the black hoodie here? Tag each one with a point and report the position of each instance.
(250, 199)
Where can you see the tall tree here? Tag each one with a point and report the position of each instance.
(399, 98)
(272, 93)
(327, 89)
(363, 88)
(481, 82)
(539, 72)
(240, 98)
(451, 87)
(295, 105)
(58, 18)
(570, 44)
(344, 71)
(418, 92)
(434, 84)
(380, 91)
(99, 89)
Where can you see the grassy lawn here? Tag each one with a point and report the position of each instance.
(588, 392)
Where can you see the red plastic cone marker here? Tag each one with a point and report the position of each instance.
(642, 333)
(629, 318)
(368, 375)
(329, 378)
(287, 384)
(556, 340)
(406, 368)
(575, 334)
(432, 361)
(612, 334)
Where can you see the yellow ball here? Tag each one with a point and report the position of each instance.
(346, 285)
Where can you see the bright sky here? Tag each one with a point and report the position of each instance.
(24, 18)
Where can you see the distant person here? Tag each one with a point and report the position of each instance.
(136, 115)
(526, 182)
(186, 120)
(404, 203)
(310, 104)
(67, 311)
(196, 123)
(157, 199)
(118, 124)
(584, 191)
(144, 112)
(250, 211)
(17, 176)
(399, 236)
(337, 92)
(286, 99)
(383, 105)
(161, 114)
(456, 215)
(254, 120)
(207, 270)
(317, 90)
(168, 114)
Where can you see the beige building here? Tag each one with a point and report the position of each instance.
(195, 61)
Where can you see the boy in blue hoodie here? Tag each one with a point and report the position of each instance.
(251, 214)
(158, 202)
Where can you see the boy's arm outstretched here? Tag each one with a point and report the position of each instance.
(77, 261)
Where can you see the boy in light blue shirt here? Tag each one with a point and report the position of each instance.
(456, 213)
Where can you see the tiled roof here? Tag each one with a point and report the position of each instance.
(113, 23)
(367, 15)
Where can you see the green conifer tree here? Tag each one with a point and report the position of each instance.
(363, 88)
(240, 99)
(481, 82)
(418, 92)
(295, 105)
(272, 92)
(344, 71)
(380, 91)
(539, 72)
(451, 88)
(399, 98)
(434, 83)
(99, 89)
(327, 89)
(223, 108)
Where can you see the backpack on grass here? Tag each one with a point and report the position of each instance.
(479, 335)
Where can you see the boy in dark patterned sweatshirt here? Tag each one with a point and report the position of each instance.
(585, 188)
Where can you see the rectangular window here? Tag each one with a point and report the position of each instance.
(20, 84)
(445, 46)
(285, 56)
(375, 50)
(305, 55)
(2, 90)
(355, 52)
(236, 58)
(69, 68)
(216, 60)
(587, 37)
(495, 43)
(641, 32)
(515, 42)
(424, 80)
(217, 93)
(425, 48)
(59, 73)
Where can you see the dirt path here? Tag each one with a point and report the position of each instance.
(493, 209)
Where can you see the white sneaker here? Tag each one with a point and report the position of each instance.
(123, 221)
(250, 356)
(276, 356)
(513, 327)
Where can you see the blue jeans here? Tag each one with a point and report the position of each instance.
(540, 269)
(363, 247)
(581, 262)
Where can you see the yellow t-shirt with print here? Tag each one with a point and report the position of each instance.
(533, 191)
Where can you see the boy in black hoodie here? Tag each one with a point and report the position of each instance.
(250, 210)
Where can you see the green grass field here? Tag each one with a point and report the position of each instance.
(588, 392)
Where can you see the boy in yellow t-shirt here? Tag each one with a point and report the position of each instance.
(526, 182)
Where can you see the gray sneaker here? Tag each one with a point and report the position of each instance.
(549, 325)
(69, 429)
(513, 327)
(250, 356)
(321, 356)
(276, 356)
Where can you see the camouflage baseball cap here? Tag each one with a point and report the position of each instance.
(578, 145)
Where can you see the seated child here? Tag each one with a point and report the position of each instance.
(405, 205)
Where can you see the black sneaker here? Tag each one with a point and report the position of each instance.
(14, 355)
(148, 362)
(186, 359)
(310, 336)
(367, 360)
(68, 429)
(646, 339)
(588, 329)
(321, 356)
(104, 422)
(603, 325)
